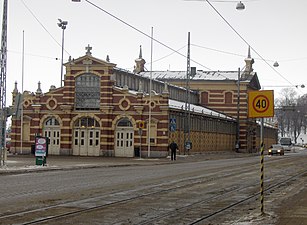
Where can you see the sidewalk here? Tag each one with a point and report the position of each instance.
(27, 163)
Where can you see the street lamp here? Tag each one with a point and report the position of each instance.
(240, 6)
(62, 24)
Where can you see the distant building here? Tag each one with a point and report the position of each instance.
(218, 90)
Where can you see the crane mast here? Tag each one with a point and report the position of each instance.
(3, 109)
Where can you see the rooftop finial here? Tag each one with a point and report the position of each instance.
(15, 88)
(140, 56)
(249, 52)
(88, 50)
(39, 90)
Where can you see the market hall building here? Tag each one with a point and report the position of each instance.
(102, 110)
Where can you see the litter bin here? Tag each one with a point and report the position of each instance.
(40, 160)
(137, 152)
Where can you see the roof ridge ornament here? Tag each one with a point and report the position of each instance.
(140, 55)
(88, 49)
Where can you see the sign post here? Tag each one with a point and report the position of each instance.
(40, 150)
(260, 105)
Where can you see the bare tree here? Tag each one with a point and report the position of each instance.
(291, 112)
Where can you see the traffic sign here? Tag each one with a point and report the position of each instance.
(261, 104)
(172, 124)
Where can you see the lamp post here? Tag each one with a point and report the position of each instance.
(62, 24)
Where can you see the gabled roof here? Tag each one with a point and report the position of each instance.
(254, 82)
(205, 76)
(95, 61)
(200, 75)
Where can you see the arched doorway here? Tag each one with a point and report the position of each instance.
(52, 130)
(86, 137)
(124, 136)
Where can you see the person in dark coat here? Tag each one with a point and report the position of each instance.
(173, 146)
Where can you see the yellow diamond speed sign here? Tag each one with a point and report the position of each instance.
(260, 104)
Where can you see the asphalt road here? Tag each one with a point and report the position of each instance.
(164, 186)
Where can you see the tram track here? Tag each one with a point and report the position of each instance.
(164, 187)
(72, 208)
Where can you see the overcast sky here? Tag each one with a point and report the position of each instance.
(275, 29)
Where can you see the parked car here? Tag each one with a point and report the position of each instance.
(276, 150)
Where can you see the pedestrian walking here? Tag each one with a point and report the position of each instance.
(173, 146)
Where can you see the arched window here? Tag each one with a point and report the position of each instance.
(87, 92)
(86, 122)
(228, 97)
(52, 122)
(124, 122)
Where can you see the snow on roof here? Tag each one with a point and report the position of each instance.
(200, 75)
(195, 108)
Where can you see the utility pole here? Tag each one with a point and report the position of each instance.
(3, 58)
(187, 103)
(238, 114)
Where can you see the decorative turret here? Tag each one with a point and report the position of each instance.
(140, 62)
(249, 61)
(39, 90)
(14, 93)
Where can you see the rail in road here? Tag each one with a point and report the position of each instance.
(190, 200)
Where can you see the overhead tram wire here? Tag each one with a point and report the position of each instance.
(138, 30)
(246, 42)
(43, 25)
(241, 55)
(33, 55)
(217, 50)
(163, 57)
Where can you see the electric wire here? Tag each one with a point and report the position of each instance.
(42, 25)
(241, 55)
(243, 39)
(143, 33)
(163, 57)
(217, 50)
(33, 55)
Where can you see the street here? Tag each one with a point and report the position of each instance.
(221, 191)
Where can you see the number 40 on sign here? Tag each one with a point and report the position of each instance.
(260, 104)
